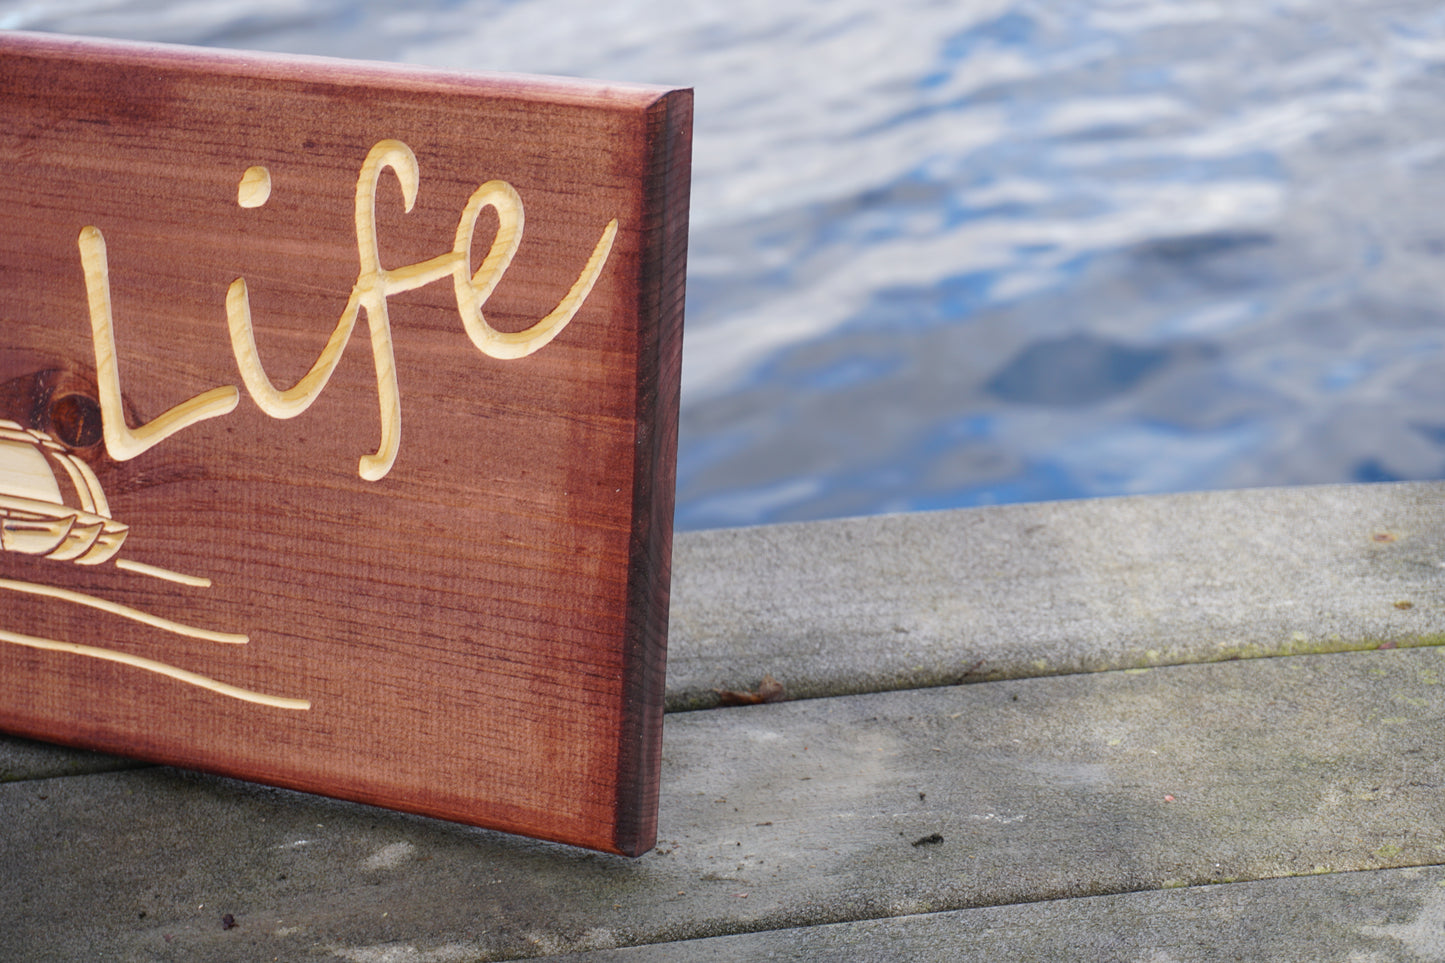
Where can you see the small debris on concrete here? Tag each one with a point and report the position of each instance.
(228, 922)
(769, 690)
(929, 840)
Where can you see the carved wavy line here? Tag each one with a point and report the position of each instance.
(161, 668)
(155, 571)
(124, 611)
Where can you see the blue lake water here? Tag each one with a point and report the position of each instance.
(949, 254)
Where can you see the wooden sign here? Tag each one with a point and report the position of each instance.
(338, 425)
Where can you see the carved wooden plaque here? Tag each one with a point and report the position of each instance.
(338, 424)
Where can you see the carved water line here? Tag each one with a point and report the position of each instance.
(124, 611)
(160, 668)
(155, 571)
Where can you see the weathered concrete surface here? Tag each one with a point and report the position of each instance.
(904, 601)
(27, 759)
(774, 816)
(1388, 916)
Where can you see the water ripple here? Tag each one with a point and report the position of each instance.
(1137, 245)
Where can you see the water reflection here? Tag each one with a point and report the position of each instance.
(950, 254)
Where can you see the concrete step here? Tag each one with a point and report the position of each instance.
(800, 814)
(904, 601)
(1386, 916)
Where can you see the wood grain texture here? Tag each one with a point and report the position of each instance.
(452, 544)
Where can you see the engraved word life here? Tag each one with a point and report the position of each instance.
(374, 284)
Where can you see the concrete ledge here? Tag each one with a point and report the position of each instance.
(939, 598)
(1390, 916)
(776, 816)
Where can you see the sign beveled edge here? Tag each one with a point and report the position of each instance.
(660, 329)
(571, 91)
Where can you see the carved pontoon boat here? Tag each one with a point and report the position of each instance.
(36, 518)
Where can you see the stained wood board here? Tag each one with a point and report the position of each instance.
(338, 425)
